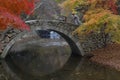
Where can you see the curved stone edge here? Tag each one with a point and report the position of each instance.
(10, 44)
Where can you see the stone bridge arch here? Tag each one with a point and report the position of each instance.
(62, 28)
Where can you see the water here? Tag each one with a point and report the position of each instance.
(76, 68)
(56, 66)
(47, 61)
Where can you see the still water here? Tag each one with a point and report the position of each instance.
(53, 62)
(36, 57)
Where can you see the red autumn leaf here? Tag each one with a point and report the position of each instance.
(9, 19)
(17, 6)
(10, 11)
(112, 5)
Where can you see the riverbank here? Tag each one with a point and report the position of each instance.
(109, 56)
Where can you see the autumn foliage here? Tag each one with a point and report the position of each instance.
(70, 5)
(105, 4)
(99, 12)
(10, 11)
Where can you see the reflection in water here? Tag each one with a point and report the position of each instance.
(40, 60)
(76, 68)
(52, 60)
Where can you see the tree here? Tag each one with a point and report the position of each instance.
(99, 12)
(10, 12)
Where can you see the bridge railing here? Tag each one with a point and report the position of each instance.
(42, 20)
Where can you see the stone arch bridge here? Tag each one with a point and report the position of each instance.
(62, 28)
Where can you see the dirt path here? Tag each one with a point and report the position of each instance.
(109, 56)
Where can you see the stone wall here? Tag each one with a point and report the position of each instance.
(7, 37)
(94, 41)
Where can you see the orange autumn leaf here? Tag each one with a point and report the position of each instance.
(10, 12)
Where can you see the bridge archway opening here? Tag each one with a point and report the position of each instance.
(75, 50)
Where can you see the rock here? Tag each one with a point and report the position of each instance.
(7, 39)
(2, 42)
(9, 35)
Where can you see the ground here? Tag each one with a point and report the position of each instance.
(108, 56)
